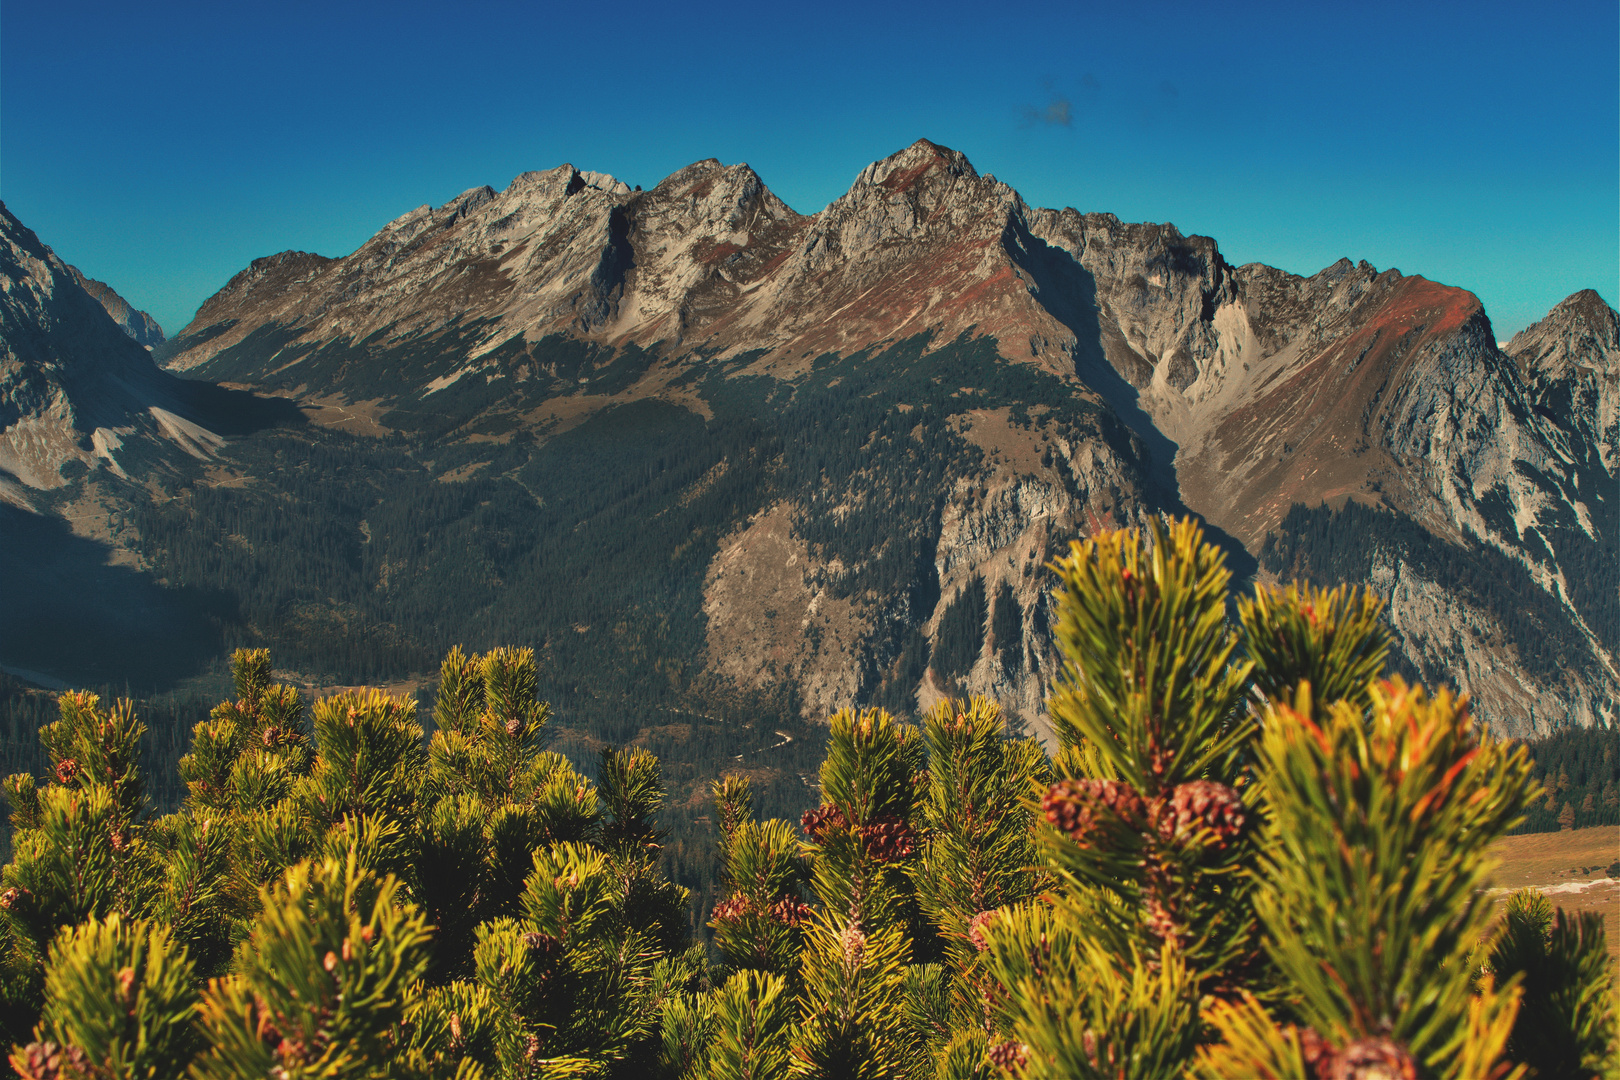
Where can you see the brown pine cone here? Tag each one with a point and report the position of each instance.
(790, 911)
(889, 839)
(1201, 806)
(1372, 1059)
(1009, 1056)
(977, 927)
(820, 819)
(1077, 806)
(853, 941)
(732, 907)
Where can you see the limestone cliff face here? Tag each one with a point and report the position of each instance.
(75, 389)
(140, 326)
(1571, 363)
(1248, 391)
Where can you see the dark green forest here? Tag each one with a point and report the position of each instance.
(1580, 770)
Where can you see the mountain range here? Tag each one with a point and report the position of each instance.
(714, 458)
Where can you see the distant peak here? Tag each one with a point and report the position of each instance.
(1584, 301)
(903, 170)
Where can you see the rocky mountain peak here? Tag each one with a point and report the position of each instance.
(1570, 362)
(137, 324)
(75, 389)
(922, 161)
(1582, 331)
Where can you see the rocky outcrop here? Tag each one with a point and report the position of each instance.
(137, 324)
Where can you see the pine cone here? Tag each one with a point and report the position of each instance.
(14, 897)
(888, 839)
(732, 907)
(854, 943)
(514, 726)
(790, 911)
(1317, 1051)
(1077, 806)
(544, 945)
(1009, 1056)
(1201, 806)
(1158, 921)
(977, 927)
(1372, 1059)
(820, 819)
(47, 1061)
(66, 770)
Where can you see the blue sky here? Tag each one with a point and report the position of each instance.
(162, 146)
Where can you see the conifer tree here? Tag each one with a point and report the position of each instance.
(1149, 833)
(322, 985)
(120, 1001)
(1566, 1024)
(860, 840)
(977, 861)
(1372, 891)
(1249, 857)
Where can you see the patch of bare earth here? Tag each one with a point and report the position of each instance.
(1571, 868)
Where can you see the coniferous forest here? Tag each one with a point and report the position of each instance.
(1250, 856)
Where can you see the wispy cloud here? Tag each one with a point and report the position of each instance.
(1061, 108)
(1059, 112)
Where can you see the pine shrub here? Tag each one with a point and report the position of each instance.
(1247, 855)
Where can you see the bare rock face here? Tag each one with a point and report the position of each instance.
(73, 385)
(78, 395)
(1571, 363)
(1264, 401)
(137, 324)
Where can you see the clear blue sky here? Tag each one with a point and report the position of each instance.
(161, 146)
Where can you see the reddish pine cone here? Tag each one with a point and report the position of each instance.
(66, 770)
(1372, 1059)
(47, 1061)
(14, 897)
(1364, 1059)
(1201, 805)
(1009, 1056)
(888, 839)
(732, 907)
(1076, 806)
(820, 819)
(977, 927)
(790, 911)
